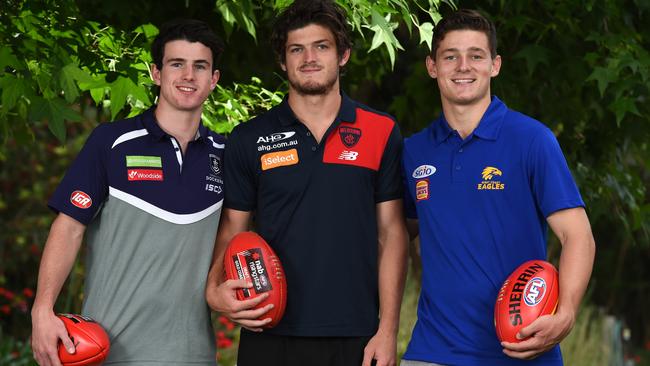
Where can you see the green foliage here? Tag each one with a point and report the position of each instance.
(229, 107)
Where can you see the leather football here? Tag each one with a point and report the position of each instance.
(249, 257)
(89, 338)
(531, 290)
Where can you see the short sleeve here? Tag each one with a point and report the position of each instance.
(84, 186)
(389, 182)
(552, 184)
(239, 175)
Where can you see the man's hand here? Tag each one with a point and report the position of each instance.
(382, 347)
(223, 299)
(545, 332)
(47, 329)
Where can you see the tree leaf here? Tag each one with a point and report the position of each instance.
(119, 91)
(604, 76)
(534, 55)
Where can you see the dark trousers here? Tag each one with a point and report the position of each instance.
(257, 349)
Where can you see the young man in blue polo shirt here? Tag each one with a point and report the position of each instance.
(149, 191)
(320, 172)
(483, 183)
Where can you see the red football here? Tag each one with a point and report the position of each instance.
(529, 292)
(249, 257)
(89, 338)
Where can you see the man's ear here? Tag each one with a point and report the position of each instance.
(155, 74)
(496, 66)
(345, 57)
(431, 67)
(215, 79)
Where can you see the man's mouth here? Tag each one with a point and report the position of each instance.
(187, 89)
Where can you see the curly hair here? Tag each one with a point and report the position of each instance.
(301, 13)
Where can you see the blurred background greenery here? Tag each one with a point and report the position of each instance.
(581, 67)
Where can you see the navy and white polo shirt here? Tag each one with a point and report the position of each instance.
(315, 204)
(482, 205)
(152, 215)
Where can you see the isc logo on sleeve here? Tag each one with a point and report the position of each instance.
(279, 158)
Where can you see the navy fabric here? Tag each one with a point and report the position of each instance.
(315, 204)
(104, 161)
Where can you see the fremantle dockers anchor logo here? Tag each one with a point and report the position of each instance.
(215, 164)
(349, 135)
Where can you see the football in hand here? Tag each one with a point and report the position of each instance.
(529, 292)
(89, 338)
(250, 258)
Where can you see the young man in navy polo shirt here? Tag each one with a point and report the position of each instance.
(149, 189)
(483, 183)
(321, 173)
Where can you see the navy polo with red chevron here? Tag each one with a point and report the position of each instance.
(315, 204)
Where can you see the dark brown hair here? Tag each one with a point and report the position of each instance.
(464, 19)
(189, 30)
(301, 13)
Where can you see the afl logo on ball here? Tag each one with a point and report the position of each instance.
(534, 291)
(81, 199)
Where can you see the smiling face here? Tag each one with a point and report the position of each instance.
(463, 67)
(312, 63)
(186, 78)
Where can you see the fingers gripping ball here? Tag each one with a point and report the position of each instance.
(249, 257)
(89, 338)
(529, 292)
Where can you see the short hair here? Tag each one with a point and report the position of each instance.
(464, 19)
(302, 13)
(190, 30)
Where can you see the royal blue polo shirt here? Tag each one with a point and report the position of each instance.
(151, 213)
(482, 204)
(315, 204)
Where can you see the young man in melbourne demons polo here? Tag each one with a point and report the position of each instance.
(149, 191)
(320, 173)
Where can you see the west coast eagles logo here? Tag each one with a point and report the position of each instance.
(349, 136)
(215, 164)
(489, 182)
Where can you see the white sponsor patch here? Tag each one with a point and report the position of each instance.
(423, 171)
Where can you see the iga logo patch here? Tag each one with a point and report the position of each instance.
(349, 136)
(145, 174)
(81, 199)
(423, 171)
(215, 164)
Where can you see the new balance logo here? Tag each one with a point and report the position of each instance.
(348, 155)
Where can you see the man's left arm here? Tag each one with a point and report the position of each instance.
(393, 251)
(572, 228)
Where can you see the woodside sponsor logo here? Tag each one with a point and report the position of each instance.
(145, 174)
